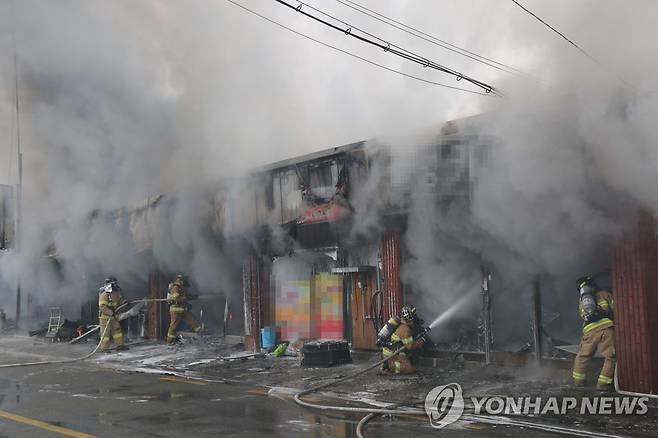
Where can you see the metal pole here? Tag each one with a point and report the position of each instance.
(19, 189)
(486, 313)
(536, 319)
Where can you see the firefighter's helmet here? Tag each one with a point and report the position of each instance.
(408, 313)
(182, 279)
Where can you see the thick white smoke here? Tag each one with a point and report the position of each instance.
(124, 102)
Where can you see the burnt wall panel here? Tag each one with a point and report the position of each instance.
(391, 263)
(635, 287)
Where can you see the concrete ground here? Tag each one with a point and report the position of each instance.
(208, 388)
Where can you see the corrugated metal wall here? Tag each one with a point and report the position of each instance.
(254, 271)
(155, 309)
(635, 289)
(391, 263)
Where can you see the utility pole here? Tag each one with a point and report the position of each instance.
(486, 314)
(536, 319)
(19, 191)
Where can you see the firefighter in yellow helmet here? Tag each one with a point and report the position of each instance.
(109, 300)
(179, 308)
(596, 311)
(404, 329)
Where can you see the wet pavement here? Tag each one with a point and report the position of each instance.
(145, 392)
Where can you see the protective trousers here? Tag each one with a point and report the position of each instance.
(602, 340)
(399, 364)
(175, 320)
(113, 332)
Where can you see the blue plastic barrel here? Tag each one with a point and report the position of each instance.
(268, 337)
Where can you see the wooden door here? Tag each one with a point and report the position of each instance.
(363, 286)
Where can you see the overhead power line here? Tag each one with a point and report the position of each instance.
(550, 27)
(391, 49)
(590, 57)
(357, 56)
(429, 38)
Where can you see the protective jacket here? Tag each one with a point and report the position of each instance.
(177, 298)
(110, 329)
(108, 302)
(403, 336)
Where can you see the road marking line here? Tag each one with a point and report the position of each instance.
(182, 380)
(44, 425)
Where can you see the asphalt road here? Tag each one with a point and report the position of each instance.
(94, 399)
(83, 400)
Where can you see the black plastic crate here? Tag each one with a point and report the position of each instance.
(325, 353)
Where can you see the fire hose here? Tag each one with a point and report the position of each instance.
(395, 409)
(77, 359)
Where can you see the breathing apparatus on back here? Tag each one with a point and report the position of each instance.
(409, 316)
(384, 335)
(592, 312)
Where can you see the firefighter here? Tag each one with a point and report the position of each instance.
(109, 300)
(403, 335)
(596, 311)
(179, 308)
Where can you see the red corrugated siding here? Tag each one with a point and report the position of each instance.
(155, 313)
(255, 311)
(391, 263)
(635, 287)
(256, 279)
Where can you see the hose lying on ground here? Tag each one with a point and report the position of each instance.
(299, 395)
(49, 362)
(633, 394)
(394, 409)
(77, 359)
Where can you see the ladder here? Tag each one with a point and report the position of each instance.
(54, 322)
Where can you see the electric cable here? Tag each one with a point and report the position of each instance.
(430, 38)
(551, 27)
(357, 56)
(391, 49)
(393, 45)
(580, 49)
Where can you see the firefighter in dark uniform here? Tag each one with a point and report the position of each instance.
(179, 308)
(596, 311)
(403, 332)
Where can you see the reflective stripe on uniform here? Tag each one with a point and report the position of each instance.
(601, 323)
(397, 366)
(405, 341)
(603, 304)
(387, 352)
(578, 376)
(605, 380)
